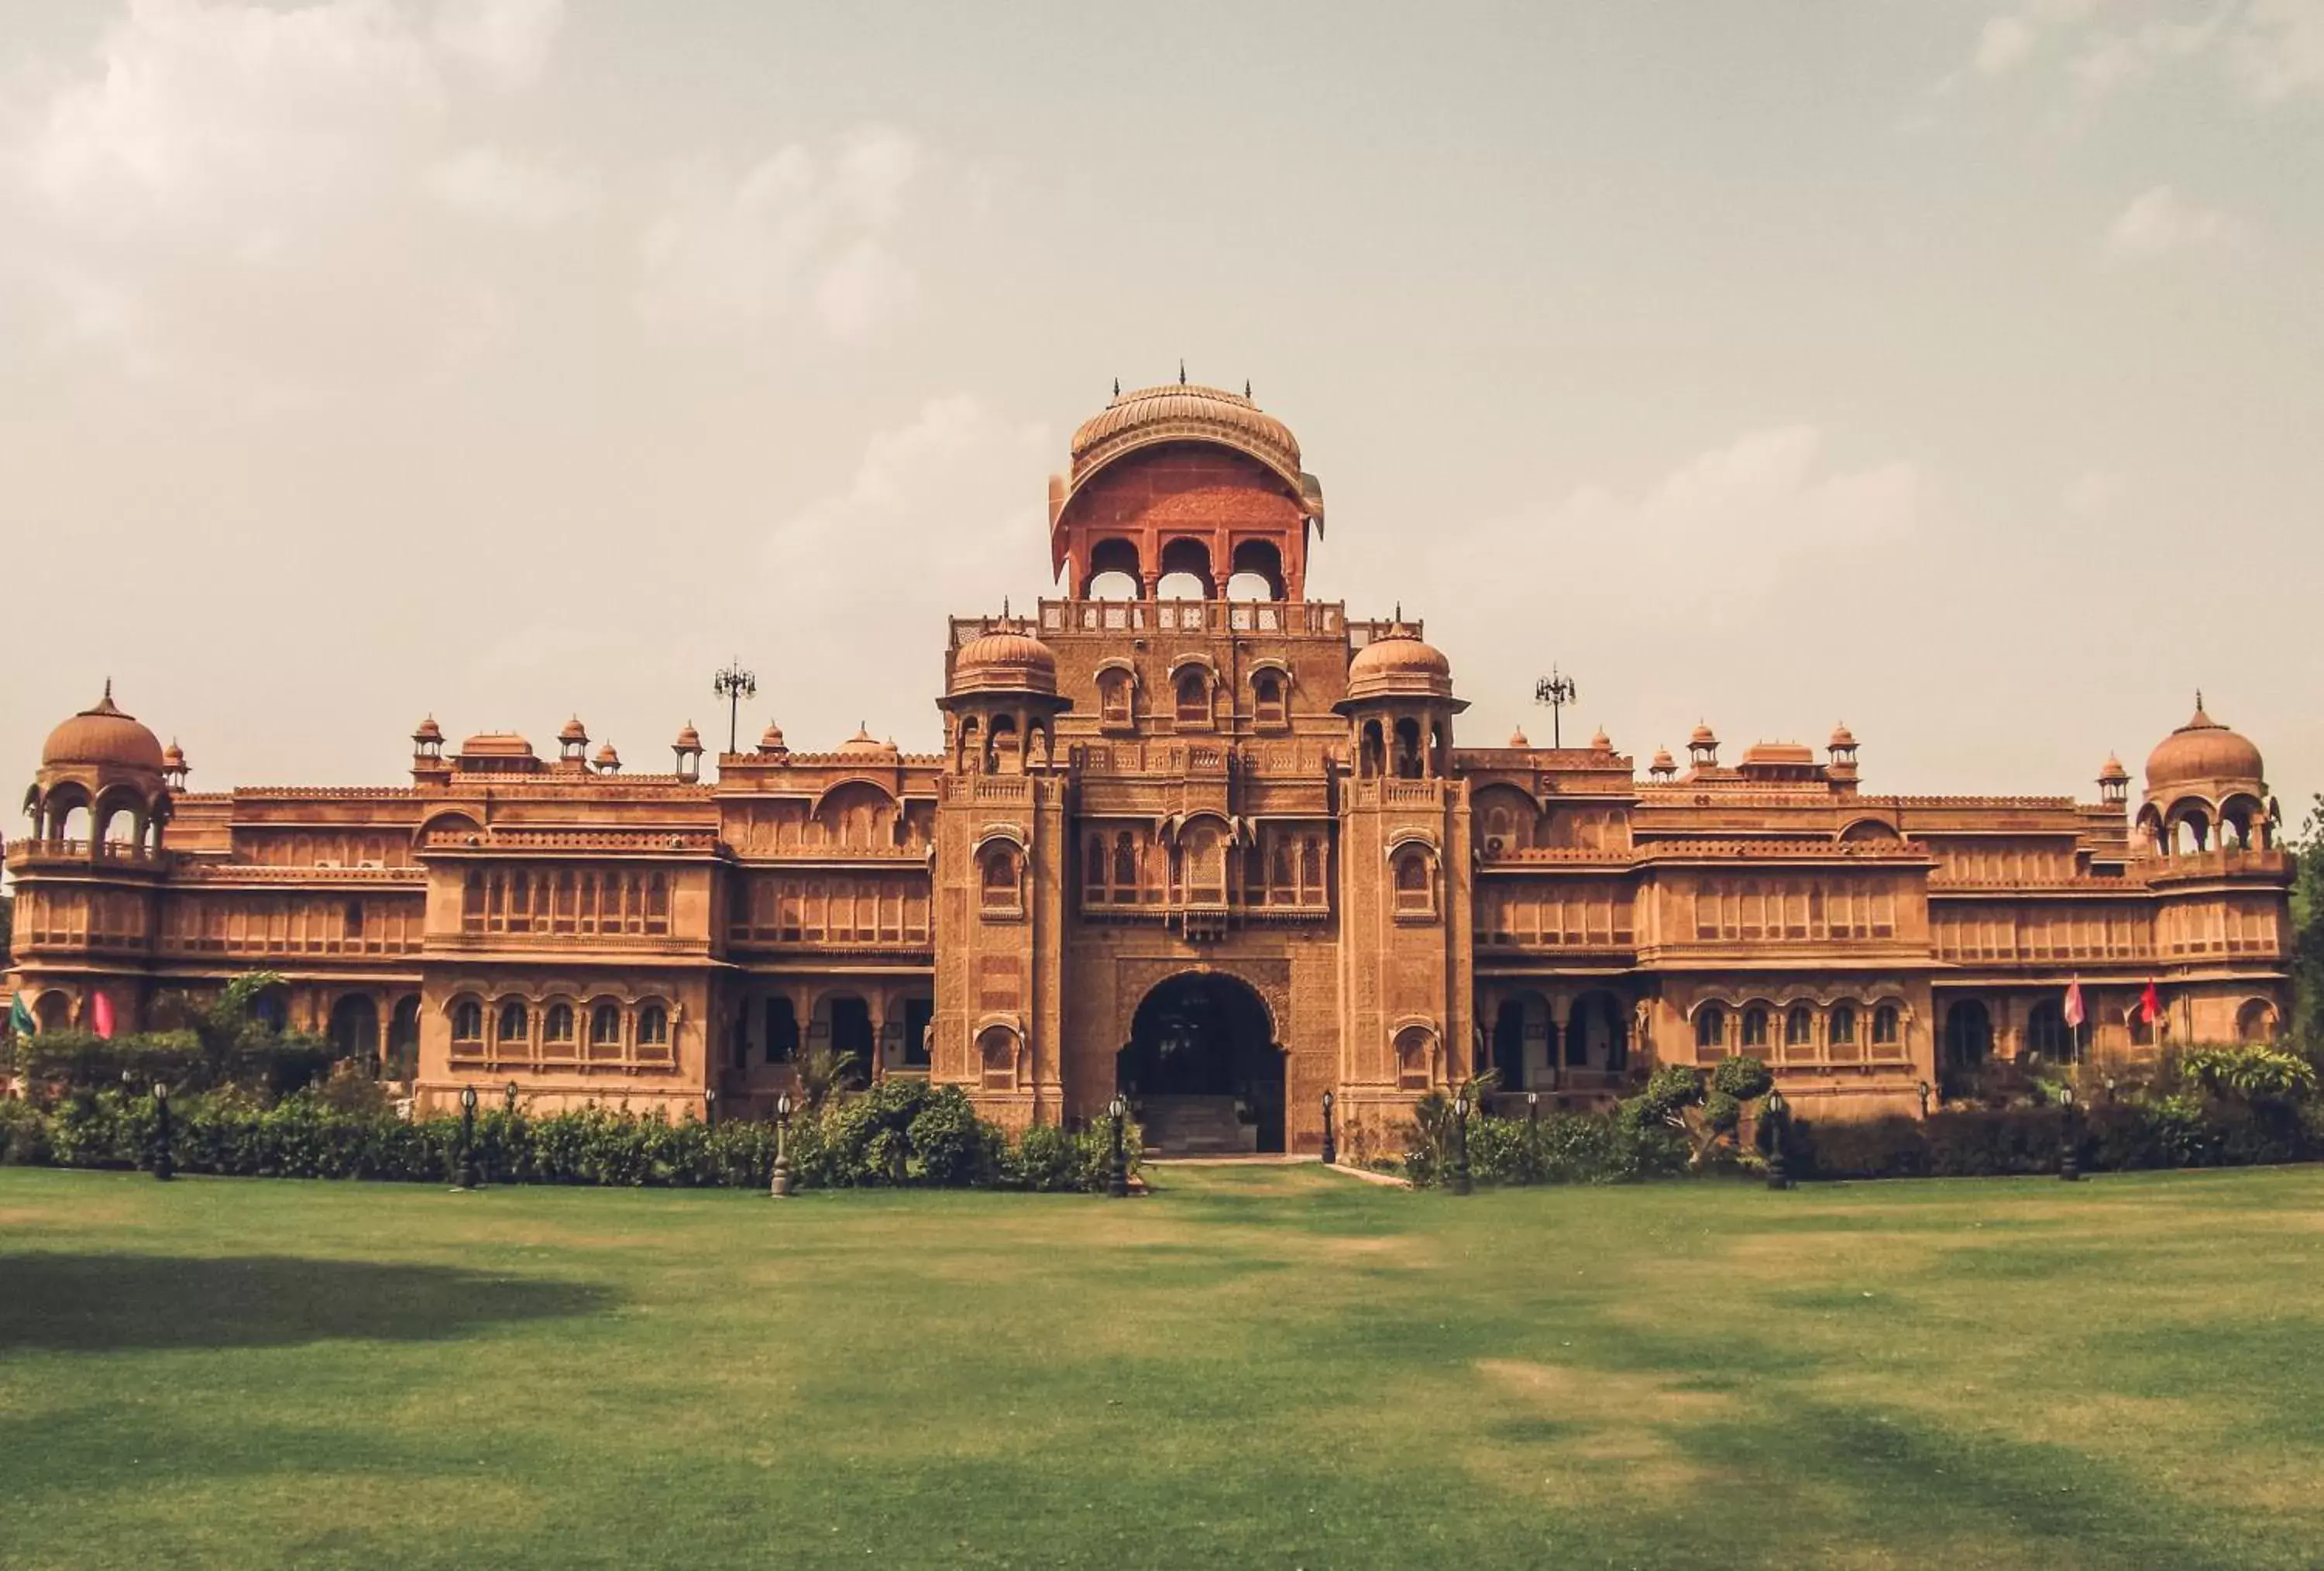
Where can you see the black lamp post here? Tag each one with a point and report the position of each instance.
(508, 1099)
(1923, 1089)
(710, 1107)
(469, 1177)
(1533, 1113)
(1461, 1143)
(2070, 1166)
(734, 684)
(1330, 1146)
(1116, 1181)
(1779, 1118)
(164, 1166)
(778, 1185)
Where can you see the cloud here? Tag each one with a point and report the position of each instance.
(507, 40)
(236, 122)
(2111, 62)
(201, 197)
(791, 235)
(485, 183)
(2003, 44)
(2269, 49)
(2159, 221)
(2278, 52)
(944, 515)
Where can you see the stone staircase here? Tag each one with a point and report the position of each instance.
(1194, 1126)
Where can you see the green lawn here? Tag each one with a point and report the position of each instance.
(1268, 1366)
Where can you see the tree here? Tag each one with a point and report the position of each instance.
(2307, 931)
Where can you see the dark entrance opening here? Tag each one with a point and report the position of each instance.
(1203, 1067)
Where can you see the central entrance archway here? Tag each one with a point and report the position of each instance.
(1203, 1068)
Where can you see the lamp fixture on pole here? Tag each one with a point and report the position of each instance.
(734, 684)
(1557, 691)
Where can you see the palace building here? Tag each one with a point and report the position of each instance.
(1225, 852)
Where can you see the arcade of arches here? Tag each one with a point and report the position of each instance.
(1188, 833)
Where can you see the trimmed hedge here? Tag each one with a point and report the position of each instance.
(898, 1134)
(1560, 1148)
(2168, 1132)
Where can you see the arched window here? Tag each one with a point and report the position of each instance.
(1266, 699)
(658, 904)
(1799, 1026)
(1969, 1034)
(1000, 876)
(2256, 1021)
(2048, 1034)
(653, 1026)
(1711, 1026)
(468, 1021)
(514, 1022)
(1755, 1028)
(1414, 890)
(1412, 1058)
(605, 1026)
(1114, 691)
(557, 1024)
(996, 1053)
(1093, 862)
(1194, 696)
(1843, 1024)
(1407, 750)
(1885, 1025)
(1125, 867)
(1371, 752)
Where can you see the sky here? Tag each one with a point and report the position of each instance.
(1954, 370)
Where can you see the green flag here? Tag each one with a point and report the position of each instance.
(19, 1018)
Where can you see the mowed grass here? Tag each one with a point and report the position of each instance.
(1256, 1366)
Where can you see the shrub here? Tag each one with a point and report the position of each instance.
(2252, 1073)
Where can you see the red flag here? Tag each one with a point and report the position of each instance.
(2074, 1015)
(2150, 1006)
(100, 1015)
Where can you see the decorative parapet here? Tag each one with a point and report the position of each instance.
(659, 842)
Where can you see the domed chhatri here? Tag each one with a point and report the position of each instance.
(772, 741)
(2203, 751)
(689, 740)
(103, 735)
(1176, 412)
(864, 746)
(1004, 662)
(1398, 663)
(1517, 738)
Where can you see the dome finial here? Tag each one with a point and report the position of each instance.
(1182, 371)
(1004, 608)
(1246, 387)
(2199, 698)
(1117, 387)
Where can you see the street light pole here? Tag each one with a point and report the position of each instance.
(1117, 1183)
(468, 1177)
(1557, 691)
(1461, 1185)
(2069, 1163)
(165, 1167)
(1779, 1120)
(1330, 1147)
(779, 1185)
(734, 684)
